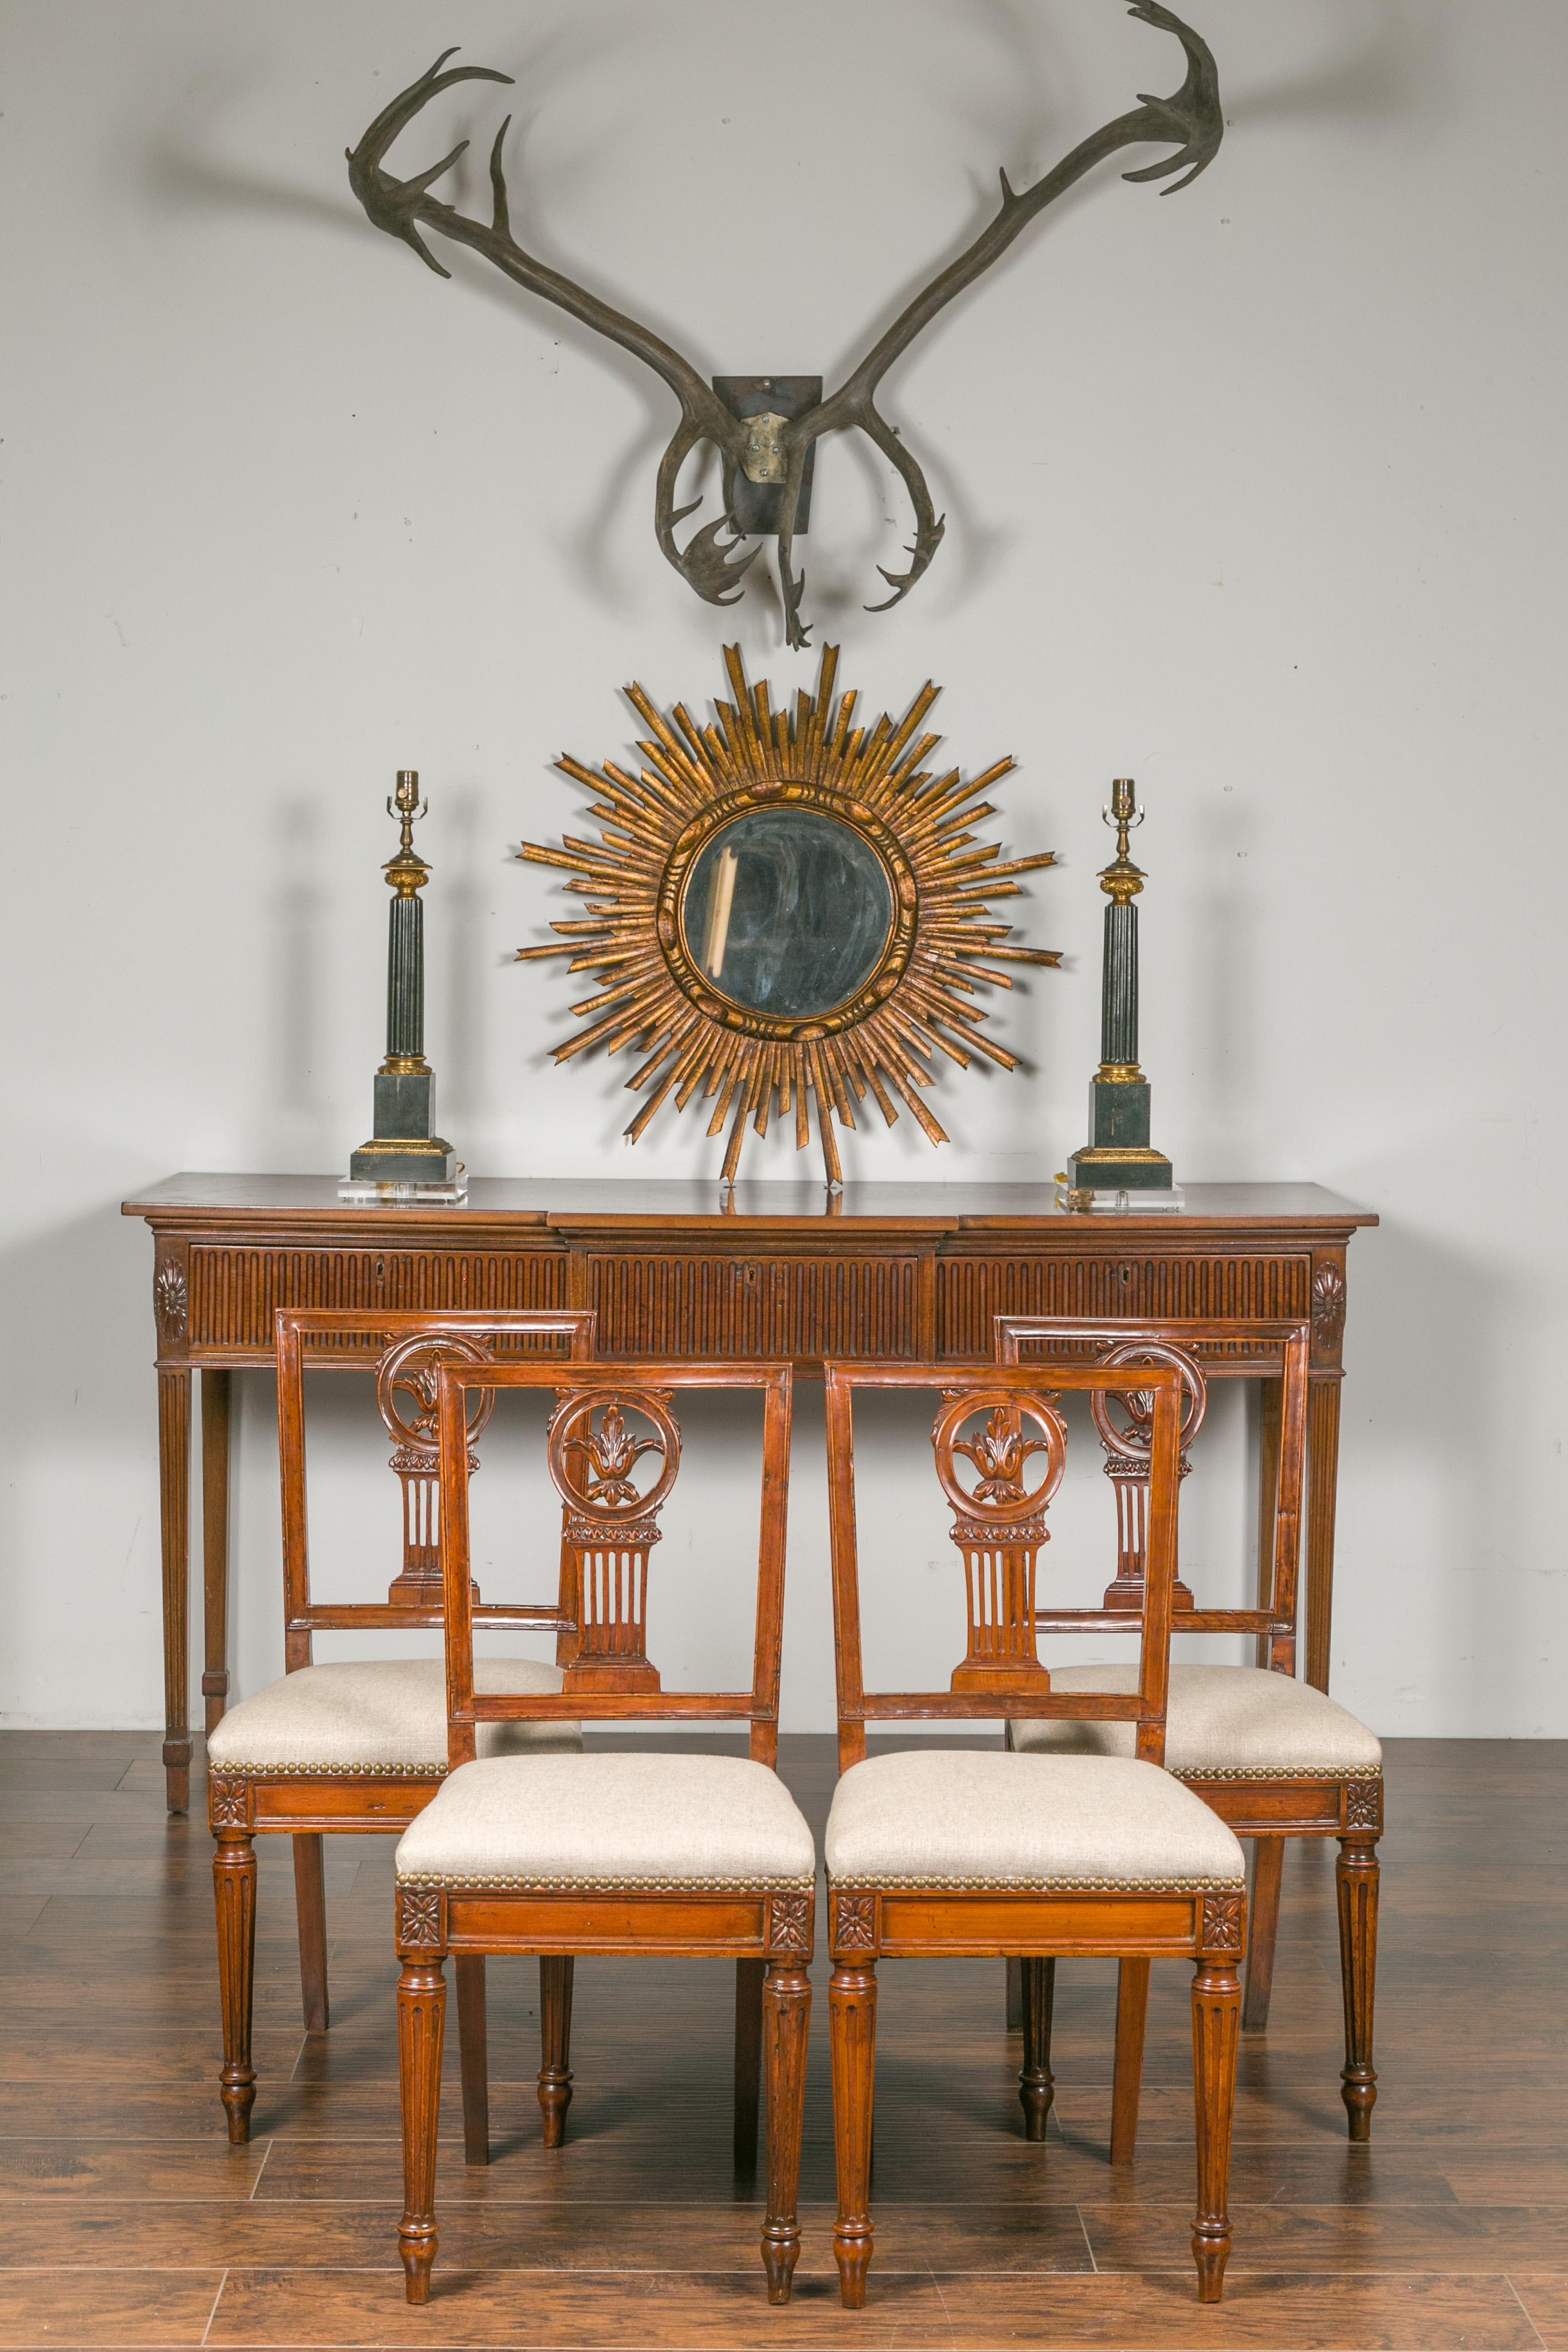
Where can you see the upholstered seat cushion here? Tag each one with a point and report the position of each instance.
(696, 1821)
(1037, 1821)
(376, 1716)
(1236, 1723)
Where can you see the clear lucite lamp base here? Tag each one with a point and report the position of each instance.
(366, 1193)
(1140, 1200)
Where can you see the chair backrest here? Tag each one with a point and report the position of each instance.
(999, 1529)
(613, 1454)
(1202, 1349)
(403, 1349)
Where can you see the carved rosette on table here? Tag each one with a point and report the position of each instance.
(786, 908)
(1328, 1310)
(170, 1301)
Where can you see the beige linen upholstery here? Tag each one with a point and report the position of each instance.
(378, 1715)
(1233, 1723)
(1043, 1823)
(675, 1821)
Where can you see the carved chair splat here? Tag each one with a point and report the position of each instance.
(952, 1854)
(1274, 1757)
(355, 1750)
(666, 1854)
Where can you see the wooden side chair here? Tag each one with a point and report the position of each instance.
(637, 1853)
(1274, 1757)
(361, 1746)
(937, 1856)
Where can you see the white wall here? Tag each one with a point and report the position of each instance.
(1255, 493)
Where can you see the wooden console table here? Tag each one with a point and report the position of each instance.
(914, 1272)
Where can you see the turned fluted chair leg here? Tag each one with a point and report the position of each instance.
(786, 2024)
(1014, 1995)
(749, 1980)
(473, 2056)
(421, 2024)
(1127, 2089)
(233, 1886)
(852, 2019)
(1217, 2027)
(1355, 1882)
(311, 1904)
(1267, 1862)
(1036, 2083)
(555, 2022)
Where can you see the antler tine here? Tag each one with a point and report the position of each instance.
(792, 584)
(1192, 118)
(396, 206)
(929, 525)
(1194, 115)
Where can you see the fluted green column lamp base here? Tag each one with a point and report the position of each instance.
(1118, 1160)
(403, 1159)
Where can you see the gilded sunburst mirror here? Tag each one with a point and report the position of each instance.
(785, 907)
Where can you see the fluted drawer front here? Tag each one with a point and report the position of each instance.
(972, 1291)
(235, 1292)
(802, 1308)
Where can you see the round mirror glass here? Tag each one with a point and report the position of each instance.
(788, 912)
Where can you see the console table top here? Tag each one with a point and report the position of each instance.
(674, 1203)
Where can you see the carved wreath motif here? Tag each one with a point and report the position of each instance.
(1363, 1805)
(789, 1923)
(1328, 1307)
(419, 1917)
(1225, 1922)
(171, 1300)
(228, 1801)
(854, 1924)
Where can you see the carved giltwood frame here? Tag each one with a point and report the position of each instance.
(912, 1007)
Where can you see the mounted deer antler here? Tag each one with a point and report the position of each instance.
(1191, 120)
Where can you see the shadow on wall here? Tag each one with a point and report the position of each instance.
(1427, 1338)
(82, 1475)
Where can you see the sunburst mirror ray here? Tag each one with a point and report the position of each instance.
(784, 908)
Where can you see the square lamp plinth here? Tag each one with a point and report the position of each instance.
(1117, 1157)
(403, 1150)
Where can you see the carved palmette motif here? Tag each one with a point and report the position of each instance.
(170, 1301)
(601, 1445)
(1126, 1427)
(999, 1523)
(408, 1395)
(1328, 1309)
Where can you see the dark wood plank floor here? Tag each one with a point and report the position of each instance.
(129, 2220)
